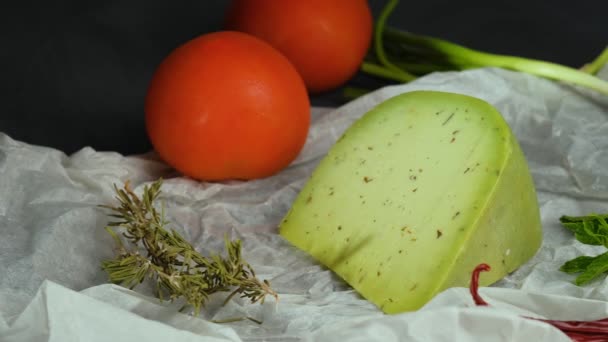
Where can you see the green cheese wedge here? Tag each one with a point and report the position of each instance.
(414, 195)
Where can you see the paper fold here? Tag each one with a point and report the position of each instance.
(53, 241)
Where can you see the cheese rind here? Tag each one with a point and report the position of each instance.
(414, 195)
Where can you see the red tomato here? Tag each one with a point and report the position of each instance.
(227, 105)
(326, 40)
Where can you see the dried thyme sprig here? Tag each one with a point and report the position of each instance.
(178, 270)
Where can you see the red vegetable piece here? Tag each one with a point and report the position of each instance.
(578, 331)
(474, 288)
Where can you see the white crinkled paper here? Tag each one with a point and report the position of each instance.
(52, 238)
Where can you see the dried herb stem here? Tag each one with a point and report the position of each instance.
(164, 256)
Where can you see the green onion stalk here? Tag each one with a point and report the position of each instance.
(402, 56)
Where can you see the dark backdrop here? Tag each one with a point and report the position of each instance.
(74, 73)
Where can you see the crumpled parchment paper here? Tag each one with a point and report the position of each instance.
(52, 238)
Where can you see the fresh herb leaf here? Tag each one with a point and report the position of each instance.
(566, 218)
(597, 267)
(577, 265)
(591, 230)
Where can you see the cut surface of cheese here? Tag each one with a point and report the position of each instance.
(414, 195)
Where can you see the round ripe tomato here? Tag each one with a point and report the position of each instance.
(326, 40)
(227, 105)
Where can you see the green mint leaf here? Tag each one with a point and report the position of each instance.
(574, 219)
(590, 234)
(586, 235)
(596, 268)
(577, 265)
(590, 230)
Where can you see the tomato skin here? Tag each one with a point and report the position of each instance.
(326, 40)
(227, 105)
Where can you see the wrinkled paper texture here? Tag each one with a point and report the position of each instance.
(52, 239)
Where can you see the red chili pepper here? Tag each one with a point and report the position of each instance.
(578, 331)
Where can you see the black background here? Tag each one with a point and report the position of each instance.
(74, 73)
